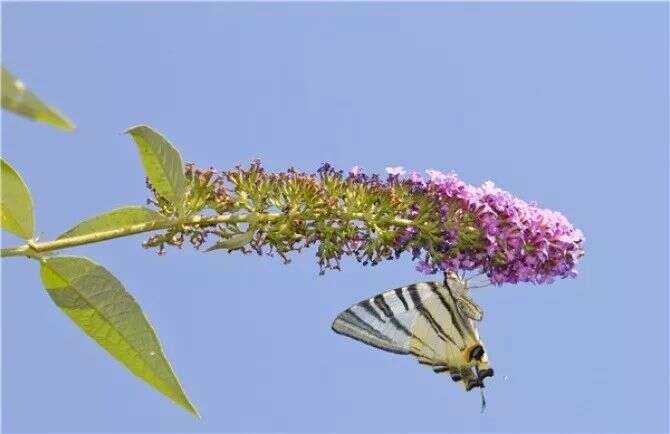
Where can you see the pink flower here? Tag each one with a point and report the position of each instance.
(395, 171)
(436, 176)
(416, 178)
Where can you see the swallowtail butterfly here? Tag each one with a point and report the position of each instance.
(433, 321)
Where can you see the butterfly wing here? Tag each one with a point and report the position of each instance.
(420, 319)
(365, 323)
(469, 308)
(460, 292)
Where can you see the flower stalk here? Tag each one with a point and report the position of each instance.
(441, 222)
(123, 231)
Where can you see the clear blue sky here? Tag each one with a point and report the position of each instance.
(565, 104)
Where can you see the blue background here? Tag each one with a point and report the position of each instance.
(566, 104)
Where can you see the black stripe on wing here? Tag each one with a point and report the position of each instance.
(418, 304)
(350, 317)
(381, 303)
(399, 293)
(450, 310)
(365, 304)
(355, 322)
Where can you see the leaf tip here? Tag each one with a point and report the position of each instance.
(194, 411)
(61, 121)
(70, 127)
(184, 402)
(136, 128)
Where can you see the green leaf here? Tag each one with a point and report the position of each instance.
(114, 219)
(234, 242)
(97, 302)
(162, 164)
(16, 204)
(17, 98)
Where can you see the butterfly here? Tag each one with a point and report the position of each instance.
(433, 321)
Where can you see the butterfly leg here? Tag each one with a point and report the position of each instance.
(469, 379)
(482, 367)
(484, 371)
(462, 375)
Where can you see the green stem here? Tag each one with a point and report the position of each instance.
(35, 249)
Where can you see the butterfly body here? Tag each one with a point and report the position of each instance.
(433, 321)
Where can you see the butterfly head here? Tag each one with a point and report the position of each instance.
(455, 282)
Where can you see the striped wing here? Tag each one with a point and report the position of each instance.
(422, 319)
(385, 320)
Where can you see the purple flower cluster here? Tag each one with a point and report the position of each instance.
(522, 242)
(444, 223)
